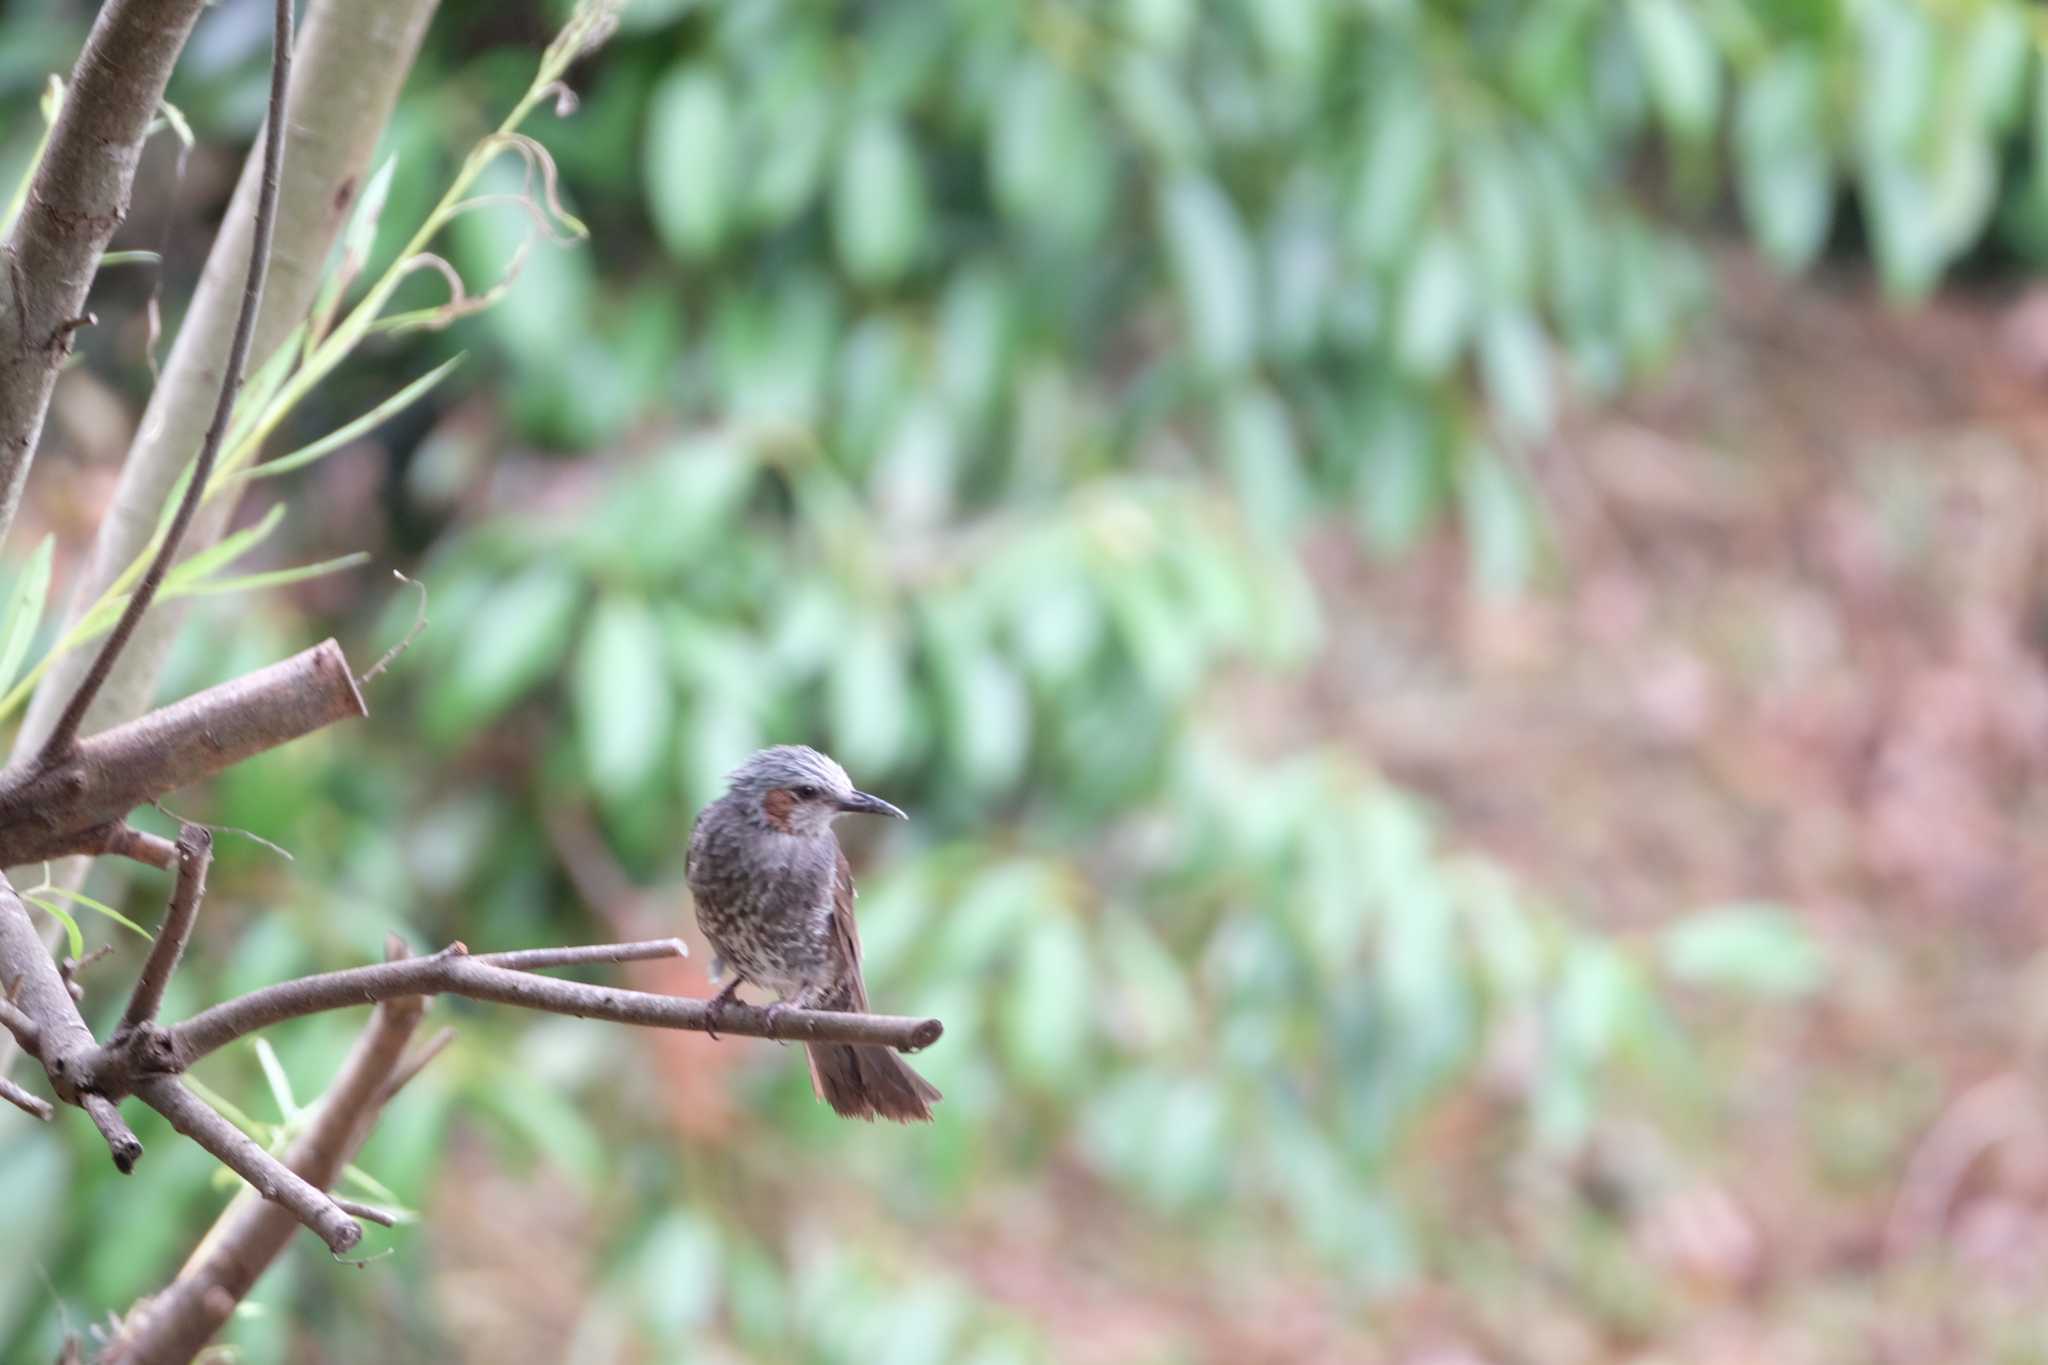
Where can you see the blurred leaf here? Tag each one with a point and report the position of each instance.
(1213, 269)
(868, 700)
(1259, 449)
(1761, 949)
(1514, 365)
(23, 611)
(1781, 160)
(1435, 309)
(1684, 72)
(678, 1275)
(1397, 179)
(620, 691)
(516, 638)
(689, 161)
(1047, 158)
(1499, 522)
(1049, 1003)
(878, 204)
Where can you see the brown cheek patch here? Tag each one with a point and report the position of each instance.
(777, 805)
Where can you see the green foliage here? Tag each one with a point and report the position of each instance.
(982, 364)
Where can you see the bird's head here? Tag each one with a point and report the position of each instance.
(797, 790)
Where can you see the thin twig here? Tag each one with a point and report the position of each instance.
(24, 1029)
(239, 1152)
(419, 624)
(368, 1213)
(453, 972)
(63, 736)
(414, 1063)
(21, 1099)
(121, 1139)
(534, 959)
(195, 856)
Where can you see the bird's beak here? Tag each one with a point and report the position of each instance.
(872, 805)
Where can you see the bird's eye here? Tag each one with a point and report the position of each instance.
(807, 793)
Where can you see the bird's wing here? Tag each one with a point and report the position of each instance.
(846, 934)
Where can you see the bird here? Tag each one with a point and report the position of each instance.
(774, 896)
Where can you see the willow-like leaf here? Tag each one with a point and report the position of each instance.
(349, 431)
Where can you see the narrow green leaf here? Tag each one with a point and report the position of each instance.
(130, 258)
(270, 578)
(868, 696)
(279, 1083)
(56, 911)
(224, 551)
(24, 609)
(1500, 525)
(349, 431)
(98, 907)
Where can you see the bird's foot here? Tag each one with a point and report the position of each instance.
(775, 1013)
(716, 1009)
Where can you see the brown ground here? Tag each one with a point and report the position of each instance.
(1795, 653)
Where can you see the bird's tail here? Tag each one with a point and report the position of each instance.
(870, 1083)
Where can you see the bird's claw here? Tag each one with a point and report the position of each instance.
(715, 1011)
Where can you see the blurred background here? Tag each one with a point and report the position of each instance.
(1455, 590)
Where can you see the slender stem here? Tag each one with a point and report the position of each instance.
(24, 1029)
(32, 1105)
(195, 856)
(532, 959)
(64, 736)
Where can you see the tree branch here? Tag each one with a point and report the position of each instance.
(195, 856)
(51, 812)
(76, 200)
(121, 1139)
(453, 972)
(63, 737)
(175, 1324)
(239, 1152)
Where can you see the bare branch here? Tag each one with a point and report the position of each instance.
(237, 1151)
(453, 972)
(175, 1324)
(63, 737)
(534, 959)
(21, 1099)
(51, 812)
(121, 1139)
(195, 856)
(78, 197)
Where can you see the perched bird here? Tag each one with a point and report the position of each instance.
(775, 897)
